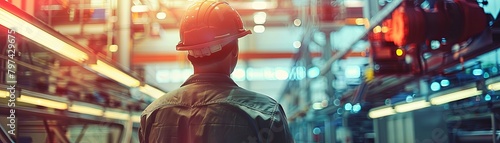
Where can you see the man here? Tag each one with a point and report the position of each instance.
(209, 107)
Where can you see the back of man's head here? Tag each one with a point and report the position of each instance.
(209, 31)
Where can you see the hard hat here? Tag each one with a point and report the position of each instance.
(207, 26)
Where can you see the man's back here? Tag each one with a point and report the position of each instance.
(211, 108)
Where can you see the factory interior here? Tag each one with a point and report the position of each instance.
(344, 71)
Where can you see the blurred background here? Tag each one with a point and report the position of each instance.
(345, 71)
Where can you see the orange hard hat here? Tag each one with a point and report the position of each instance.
(207, 26)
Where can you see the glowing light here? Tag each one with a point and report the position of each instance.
(136, 119)
(259, 28)
(381, 112)
(297, 44)
(356, 108)
(445, 83)
(86, 109)
(385, 29)
(301, 72)
(324, 103)
(139, 8)
(399, 52)
(409, 98)
(238, 74)
(336, 102)
(259, 17)
(297, 22)
(316, 131)
(387, 101)
(352, 72)
(43, 102)
(259, 5)
(486, 75)
(487, 97)
(435, 44)
(377, 29)
(115, 74)
(412, 106)
(117, 115)
(313, 72)
(477, 72)
(281, 74)
(435, 86)
(161, 15)
(495, 86)
(348, 106)
(360, 21)
(30, 31)
(113, 48)
(317, 106)
(494, 70)
(438, 100)
(151, 91)
(353, 3)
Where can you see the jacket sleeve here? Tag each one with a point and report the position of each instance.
(279, 127)
(141, 130)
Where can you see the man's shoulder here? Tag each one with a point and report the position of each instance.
(241, 93)
(161, 101)
(252, 100)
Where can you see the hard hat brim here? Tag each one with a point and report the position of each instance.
(182, 47)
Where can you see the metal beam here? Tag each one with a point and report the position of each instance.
(172, 57)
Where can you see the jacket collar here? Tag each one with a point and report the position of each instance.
(209, 77)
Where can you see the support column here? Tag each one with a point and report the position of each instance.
(329, 131)
(370, 8)
(124, 32)
(494, 127)
(327, 54)
(128, 129)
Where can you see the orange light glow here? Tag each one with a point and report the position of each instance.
(398, 27)
(377, 29)
(385, 29)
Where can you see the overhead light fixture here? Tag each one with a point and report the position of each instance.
(115, 74)
(494, 86)
(259, 5)
(136, 118)
(381, 112)
(139, 8)
(116, 115)
(317, 106)
(151, 91)
(41, 37)
(411, 106)
(4, 94)
(43, 102)
(86, 109)
(353, 3)
(438, 100)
